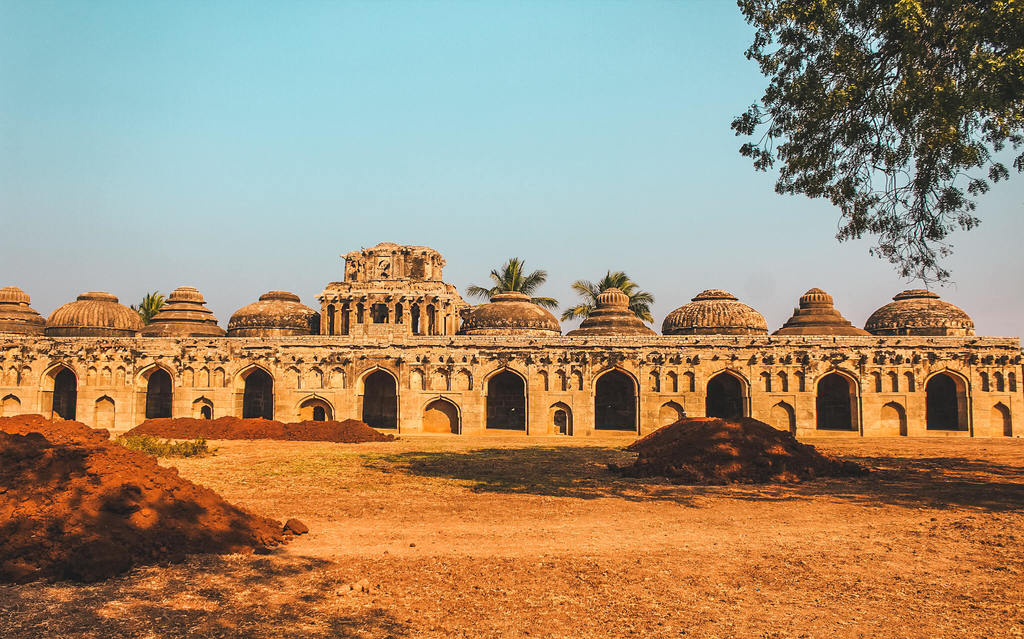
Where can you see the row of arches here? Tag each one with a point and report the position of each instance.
(615, 401)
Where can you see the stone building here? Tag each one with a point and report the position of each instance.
(396, 346)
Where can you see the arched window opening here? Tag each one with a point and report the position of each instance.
(65, 394)
(506, 402)
(360, 311)
(877, 379)
(783, 382)
(766, 381)
(158, 395)
(346, 312)
(258, 396)
(330, 319)
(942, 405)
(894, 382)
(399, 313)
(431, 320)
(725, 397)
(655, 382)
(414, 312)
(1012, 380)
(1000, 384)
(380, 313)
(835, 403)
(615, 402)
(1001, 417)
(380, 400)
(911, 384)
(984, 382)
(673, 382)
(441, 416)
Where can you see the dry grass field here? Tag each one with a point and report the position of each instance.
(496, 537)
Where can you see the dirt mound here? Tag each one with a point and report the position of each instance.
(350, 431)
(716, 451)
(74, 505)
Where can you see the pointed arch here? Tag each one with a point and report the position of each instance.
(616, 399)
(442, 415)
(836, 401)
(505, 393)
(783, 417)
(10, 405)
(946, 406)
(379, 397)
(104, 413)
(60, 391)
(893, 420)
(1001, 420)
(560, 418)
(202, 408)
(315, 408)
(727, 392)
(670, 413)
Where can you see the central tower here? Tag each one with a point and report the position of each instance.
(389, 290)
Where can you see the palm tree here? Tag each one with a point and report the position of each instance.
(639, 301)
(149, 306)
(511, 278)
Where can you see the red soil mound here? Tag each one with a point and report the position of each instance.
(716, 451)
(350, 431)
(74, 505)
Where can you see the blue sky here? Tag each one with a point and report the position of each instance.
(241, 147)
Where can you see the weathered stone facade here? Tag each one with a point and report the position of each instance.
(536, 383)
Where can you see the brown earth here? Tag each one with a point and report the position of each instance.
(74, 505)
(349, 431)
(705, 450)
(513, 537)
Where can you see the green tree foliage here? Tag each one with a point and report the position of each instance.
(639, 301)
(512, 277)
(149, 306)
(894, 110)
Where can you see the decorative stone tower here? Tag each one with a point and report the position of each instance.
(391, 290)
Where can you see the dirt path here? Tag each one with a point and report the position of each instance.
(448, 537)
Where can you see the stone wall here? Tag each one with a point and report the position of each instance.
(446, 381)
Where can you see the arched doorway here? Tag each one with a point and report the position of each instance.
(506, 401)
(202, 408)
(725, 397)
(380, 400)
(615, 402)
(1001, 417)
(670, 413)
(158, 394)
(441, 416)
(942, 405)
(316, 410)
(65, 394)
(783, 417)
(258, 397)
(835, 403)
(893, 420)
(561, 419)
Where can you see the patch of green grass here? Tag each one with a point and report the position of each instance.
(166, 447)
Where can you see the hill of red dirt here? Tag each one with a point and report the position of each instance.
(350, 431)
(74, 505)
(715, 451)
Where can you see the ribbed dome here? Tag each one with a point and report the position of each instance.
(510, 314)
(714, 312)
(612, 317)
(919, 312)
(16, 316)
(817, 316)
(94, 314)
(184, 314)
(278, 313)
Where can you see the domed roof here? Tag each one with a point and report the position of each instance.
(510, 314)
(16, 316)
(919, 312)
(714, 312)
(184, 314)
(612, 317)
(818, 316)
(94, 314)
(277, 313)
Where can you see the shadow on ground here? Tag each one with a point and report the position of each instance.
(582, 472)
(208, 596)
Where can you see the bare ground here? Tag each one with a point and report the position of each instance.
(496, 537)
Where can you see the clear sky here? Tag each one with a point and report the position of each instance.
(241, 147)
